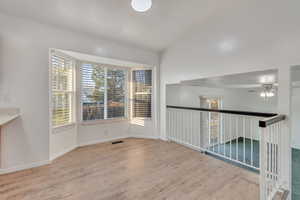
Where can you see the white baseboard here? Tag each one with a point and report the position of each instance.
(164, 138)
(25, 166)
(55, 156)
(100, 141)
(46, 162)
(145, 137)
(116, 138)
(188, 145)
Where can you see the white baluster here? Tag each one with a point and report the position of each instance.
(230, 132)
(263, 148)
(237, 138)
(251, 133)
(199, 130)
(219, 133)
(244, 139)
(177, 126)
(225, 131)
(192, 135)
(168, 121)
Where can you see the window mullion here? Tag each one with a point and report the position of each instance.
(105, 93)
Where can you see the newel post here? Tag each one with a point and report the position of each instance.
(284, 107)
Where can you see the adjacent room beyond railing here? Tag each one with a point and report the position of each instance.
(248, 139)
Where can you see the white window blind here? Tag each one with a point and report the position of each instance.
(142, 93)
(103, 92)
(62, 83)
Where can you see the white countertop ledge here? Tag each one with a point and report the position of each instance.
(8, 114)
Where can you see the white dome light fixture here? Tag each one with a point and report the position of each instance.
(141, 5)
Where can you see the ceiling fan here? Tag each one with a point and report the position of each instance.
(266, 90)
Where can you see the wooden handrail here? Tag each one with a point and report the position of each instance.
(235, 112)
(272, 120)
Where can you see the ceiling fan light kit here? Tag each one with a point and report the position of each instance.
(268, 91)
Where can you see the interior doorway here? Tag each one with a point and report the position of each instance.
(212, 119)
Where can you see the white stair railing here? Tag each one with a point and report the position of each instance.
(232, 135)
(183, 127)
(238, 139)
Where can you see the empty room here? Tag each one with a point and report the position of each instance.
(149, 100)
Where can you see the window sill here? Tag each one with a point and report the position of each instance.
(107, 121)
(61, 128)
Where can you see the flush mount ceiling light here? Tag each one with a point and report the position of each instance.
(141, 5)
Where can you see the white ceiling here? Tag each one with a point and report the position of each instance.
(115, 19)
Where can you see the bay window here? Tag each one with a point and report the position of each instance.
(106, 91)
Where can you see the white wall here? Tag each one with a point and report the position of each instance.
(240, 39)
(24, 51)
(232, 99)
(96, 133)
(63, 140)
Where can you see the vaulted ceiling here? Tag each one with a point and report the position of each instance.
(165, 23)
(115, 19)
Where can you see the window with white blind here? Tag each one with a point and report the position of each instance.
(142, 93)
(62, 85)
(103, 92)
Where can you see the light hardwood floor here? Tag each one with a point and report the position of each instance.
(138, 169)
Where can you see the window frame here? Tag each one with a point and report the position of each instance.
(126, 88)
(152, 91)
(73, 91)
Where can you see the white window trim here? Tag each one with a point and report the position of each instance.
(74, 91)
(77, 104)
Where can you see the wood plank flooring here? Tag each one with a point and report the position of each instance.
(138, 169)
